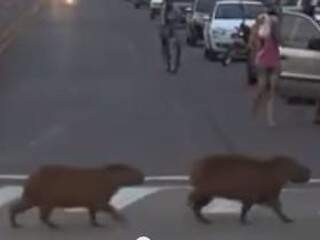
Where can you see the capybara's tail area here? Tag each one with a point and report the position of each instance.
(16, 207)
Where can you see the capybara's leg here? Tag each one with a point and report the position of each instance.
(17, 207)
(197, 202)
(45, 213)
(113, 212)
(93, 218)
(246, 206)
(277, 208)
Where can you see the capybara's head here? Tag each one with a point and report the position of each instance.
(296, 172)
(124, 175)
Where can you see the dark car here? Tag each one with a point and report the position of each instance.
(200, 13)
(139, 3)
(182, 7)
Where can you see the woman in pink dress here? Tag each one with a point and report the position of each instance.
(268, 64)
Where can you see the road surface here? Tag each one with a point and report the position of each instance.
(86, 85)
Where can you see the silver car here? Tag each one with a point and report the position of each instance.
(300, 54)
(300, 57)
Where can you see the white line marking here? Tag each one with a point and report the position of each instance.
(167, 178)
(13, 177)
(126, 197)
(7, 194)
(147, 178)
(220, 205)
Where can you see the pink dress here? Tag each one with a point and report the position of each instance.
(268, 57)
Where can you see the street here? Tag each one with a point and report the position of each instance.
(86, 85)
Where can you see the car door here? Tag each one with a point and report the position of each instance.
(299, 62)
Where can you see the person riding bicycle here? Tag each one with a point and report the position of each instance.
(169, 20)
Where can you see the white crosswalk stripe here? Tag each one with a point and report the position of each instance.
(126, 197)
(9, 193)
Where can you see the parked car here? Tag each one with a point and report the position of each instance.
(155, 8)
(297, 5)
(200, 14)
(300, 57)
(182, 6)
(226, 18)
(139, 3)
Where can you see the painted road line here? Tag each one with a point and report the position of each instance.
(121, 200)
(13, 177)
(222, 206)
(168, 178)
(126, 196)
(9, 193)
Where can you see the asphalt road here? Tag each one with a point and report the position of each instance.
(86, 85)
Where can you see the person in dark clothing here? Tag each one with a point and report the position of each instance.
(170, 44)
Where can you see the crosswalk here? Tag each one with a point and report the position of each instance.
(131, 195)
(126, 197)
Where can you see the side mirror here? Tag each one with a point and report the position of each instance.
(314, 44)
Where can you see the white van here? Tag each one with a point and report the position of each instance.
(224, 23)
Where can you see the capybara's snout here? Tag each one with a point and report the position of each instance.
(136, 177)
(301, 175)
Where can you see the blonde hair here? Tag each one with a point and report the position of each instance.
(265, 28)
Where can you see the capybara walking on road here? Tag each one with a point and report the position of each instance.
(246, 179)
(65, 186)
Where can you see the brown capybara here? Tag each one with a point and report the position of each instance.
(245, 179)
(65, 186)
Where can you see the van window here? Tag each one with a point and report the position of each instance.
(297, 31)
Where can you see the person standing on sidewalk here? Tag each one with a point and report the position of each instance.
(267, 61)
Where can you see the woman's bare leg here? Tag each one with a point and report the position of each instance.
(261, 93)
(273, 81)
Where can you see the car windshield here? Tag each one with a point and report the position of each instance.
(238, 11)
(205, 6)
(182, 1)
(289, 2)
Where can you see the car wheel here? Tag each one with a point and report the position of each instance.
(210, 54)
(251, 76)
(137, 5)
(191, 41)
(152, 14)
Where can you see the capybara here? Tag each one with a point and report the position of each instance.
(61, 186)
(246, 179)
